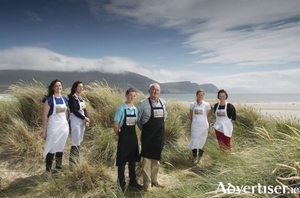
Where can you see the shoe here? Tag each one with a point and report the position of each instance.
(158, 184)
(198, 160)
(195, 160)
(122, 186)
(149, 189)
(136, 186)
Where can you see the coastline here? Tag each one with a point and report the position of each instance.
(280, 109)
(277, 109)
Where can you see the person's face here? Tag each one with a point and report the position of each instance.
(131, 97)
(222, 97)
(79, 89)
(200, 96)
(154, 92)
(57, 87)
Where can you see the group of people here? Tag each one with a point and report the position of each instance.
(200, 111)
(57, 124)
(150, 116)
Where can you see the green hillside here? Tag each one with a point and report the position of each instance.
(121, 81)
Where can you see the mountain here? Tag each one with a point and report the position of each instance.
(241, 91)
(187, 87)
(121, 80)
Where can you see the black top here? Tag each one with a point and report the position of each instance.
(75, 106)
(231, 113)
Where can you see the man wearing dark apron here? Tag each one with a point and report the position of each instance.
(152, 114)
(128, 150)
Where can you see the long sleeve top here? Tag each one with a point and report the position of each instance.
(231, 112)
(75, 107)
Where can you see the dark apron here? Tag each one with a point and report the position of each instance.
(153, 134)
(128, 150)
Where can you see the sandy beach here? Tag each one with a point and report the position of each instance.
(278, 109)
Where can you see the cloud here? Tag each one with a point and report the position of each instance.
(233, 32)
(32, 17)
(274, 81)
(36, 58)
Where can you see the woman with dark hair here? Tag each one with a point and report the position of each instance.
(225, 115)
(78, 120)
(55, 124)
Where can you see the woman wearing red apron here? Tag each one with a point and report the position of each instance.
(225, 115)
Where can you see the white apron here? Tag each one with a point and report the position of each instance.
(77, 125)
(199, 128)
(57, 129)
(223, 123)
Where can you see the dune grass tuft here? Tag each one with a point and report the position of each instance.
(265, 151)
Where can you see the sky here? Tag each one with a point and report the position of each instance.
(237, 45)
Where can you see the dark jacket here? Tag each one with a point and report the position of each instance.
(75, 107)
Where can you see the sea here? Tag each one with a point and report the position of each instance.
(240, 98)
(233, 98)
(270, 104)
(248, 99)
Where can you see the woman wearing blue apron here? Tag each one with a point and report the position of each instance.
(55, 124)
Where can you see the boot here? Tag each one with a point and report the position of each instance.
(194, 151)
(200, 155)
(58, 160)
(74, 156)
(49, 160)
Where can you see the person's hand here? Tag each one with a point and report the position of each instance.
(86, 119)
(44, 135)
(116, 135)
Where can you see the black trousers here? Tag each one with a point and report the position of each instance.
(121, 173)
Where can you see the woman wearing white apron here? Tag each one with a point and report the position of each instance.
(78, 120)
(55, 124)
(200, 119)
(225, 115)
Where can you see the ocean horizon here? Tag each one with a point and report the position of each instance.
(277, 102)
(281, 105)
(243, 98)
(235, 98)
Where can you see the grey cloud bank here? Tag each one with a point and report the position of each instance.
(34, 58)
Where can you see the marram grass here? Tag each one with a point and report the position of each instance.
(265, 151)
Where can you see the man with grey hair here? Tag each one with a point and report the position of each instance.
(152, 116)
